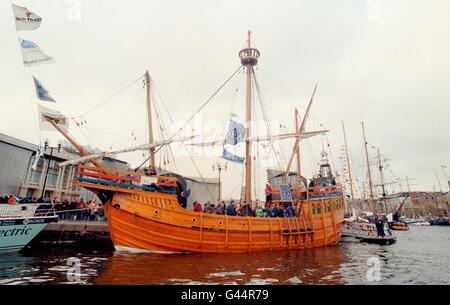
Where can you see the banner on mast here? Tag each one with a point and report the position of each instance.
(25, 19)
(32, 55)
(236, 132)
(41, 92)
(231, 157)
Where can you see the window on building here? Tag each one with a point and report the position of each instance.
(34, 175)
(52, 174)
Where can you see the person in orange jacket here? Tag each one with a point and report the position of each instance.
(11, 200)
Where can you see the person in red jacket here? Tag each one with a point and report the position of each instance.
(268, 192)
(198, 207)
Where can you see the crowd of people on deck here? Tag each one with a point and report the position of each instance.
(70, 210)
(232, 208)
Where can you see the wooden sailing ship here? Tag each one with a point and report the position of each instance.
(144, 213)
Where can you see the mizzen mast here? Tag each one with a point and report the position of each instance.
(151, 164)
(249, 58)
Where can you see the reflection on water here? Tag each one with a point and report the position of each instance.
(421, 256)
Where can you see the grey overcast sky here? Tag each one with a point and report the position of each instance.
(384, 62)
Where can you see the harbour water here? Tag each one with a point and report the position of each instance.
(420, 256)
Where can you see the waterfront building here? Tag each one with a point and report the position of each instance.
(19, 178)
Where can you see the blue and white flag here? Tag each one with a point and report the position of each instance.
(32, 55)
(25, 19)
(236, 133)
(41, 92)
(285, 192)
(231, 157)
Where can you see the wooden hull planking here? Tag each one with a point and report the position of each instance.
(155, 222)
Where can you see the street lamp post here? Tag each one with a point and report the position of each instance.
(48, 164)
(219, 167)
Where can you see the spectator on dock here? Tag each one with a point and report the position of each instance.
(11, 200)
(379, 223)
(93, 211)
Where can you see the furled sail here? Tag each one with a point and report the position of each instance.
(120, 151)
(284, 136)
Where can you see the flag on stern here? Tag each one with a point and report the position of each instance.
(41, 92)
(25, 19)
(32, 55)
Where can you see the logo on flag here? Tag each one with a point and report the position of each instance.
(32, 55)
(231, 157)
(25, 19)
(285, 192)
(236, 133)
(41, 92)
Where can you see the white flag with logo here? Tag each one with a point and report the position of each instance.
(32, 55)
(55, 115)
(25, 19)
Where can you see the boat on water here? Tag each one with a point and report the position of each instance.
(440, 221)
(354, 227)
(20, 223)
(144, 212)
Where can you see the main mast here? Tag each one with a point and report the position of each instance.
(151, 161)
(249, 58)
(368, 170)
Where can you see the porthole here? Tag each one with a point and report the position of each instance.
(193, 219)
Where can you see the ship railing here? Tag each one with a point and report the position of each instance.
(312, 192)
(127, 179)
(25, 210)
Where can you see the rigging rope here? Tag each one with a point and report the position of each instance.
(206, 102)
(110, 97)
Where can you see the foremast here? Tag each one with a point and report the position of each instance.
(151, 161)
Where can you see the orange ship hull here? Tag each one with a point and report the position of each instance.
(143, 221)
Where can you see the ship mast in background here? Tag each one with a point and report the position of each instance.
(349, 172)
(368, 170)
